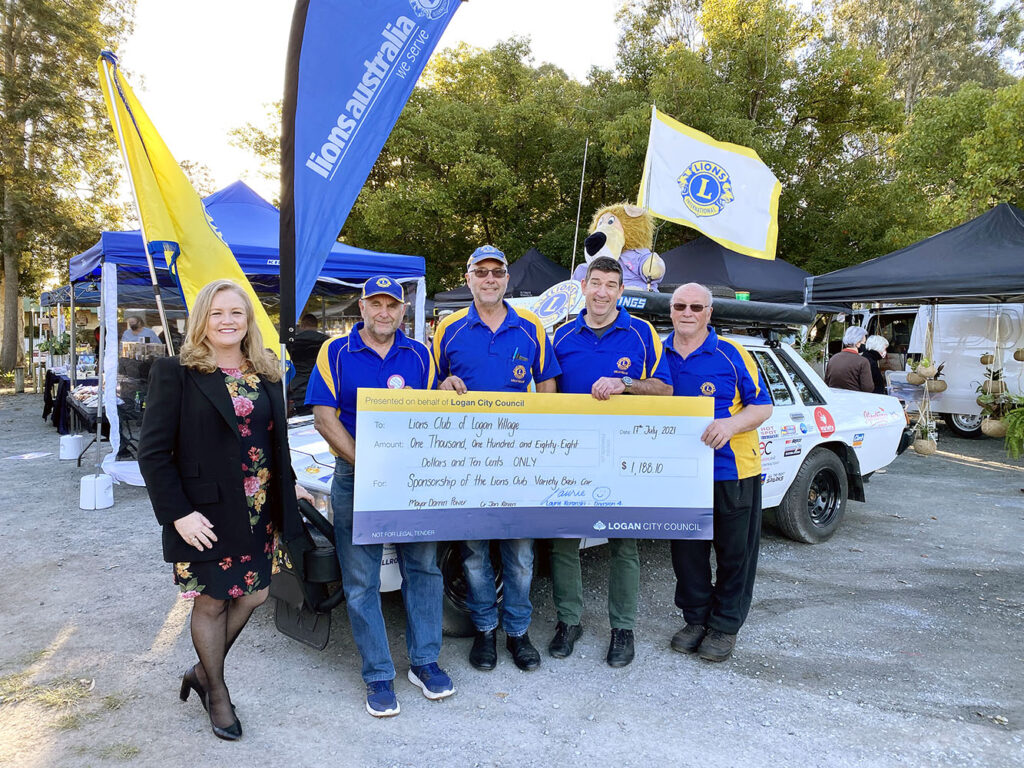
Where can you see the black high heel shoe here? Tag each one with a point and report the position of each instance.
(190, 682)
(232, 733)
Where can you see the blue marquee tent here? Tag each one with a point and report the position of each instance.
(250, 226)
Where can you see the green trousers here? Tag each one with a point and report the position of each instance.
(623, 581)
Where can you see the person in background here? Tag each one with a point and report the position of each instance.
(847, 369)
(136, 331)
(874, 352)
(214, 454)
(303, 351)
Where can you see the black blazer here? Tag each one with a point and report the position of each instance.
(191, 458)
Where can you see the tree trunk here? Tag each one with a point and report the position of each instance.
(9, 248)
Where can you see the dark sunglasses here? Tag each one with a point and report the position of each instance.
(695, 308)
(496, 272)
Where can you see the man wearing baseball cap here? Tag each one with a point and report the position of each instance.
(378, 354)
(489, 346)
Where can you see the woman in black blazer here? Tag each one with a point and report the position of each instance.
(214, 454)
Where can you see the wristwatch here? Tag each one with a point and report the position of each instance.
(627, 382)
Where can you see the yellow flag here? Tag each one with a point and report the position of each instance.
(174, 219)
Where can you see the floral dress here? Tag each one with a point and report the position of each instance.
(242, 573)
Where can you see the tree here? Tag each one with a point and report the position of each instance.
(199, 176)
(57, 175)
(932, 47)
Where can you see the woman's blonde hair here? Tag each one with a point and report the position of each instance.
(197, 352)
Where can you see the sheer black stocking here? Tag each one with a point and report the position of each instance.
(216, 624)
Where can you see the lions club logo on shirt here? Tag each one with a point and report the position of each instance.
(383, 282)
(519, 372)
(707, 388)
(395, 382)
(623, 364)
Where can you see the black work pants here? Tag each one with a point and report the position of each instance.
(737, 537)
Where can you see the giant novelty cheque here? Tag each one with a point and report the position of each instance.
(436, 466)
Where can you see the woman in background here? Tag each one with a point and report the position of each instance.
(214, 454)
(874, 351)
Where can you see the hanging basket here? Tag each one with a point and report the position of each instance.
(993, 427)
(988, 359)
(915, 378)
(925, 447)
(926, 370)
(936, 385)
(993, 386)
(1018, 355)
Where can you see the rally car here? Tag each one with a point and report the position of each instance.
(816, 450)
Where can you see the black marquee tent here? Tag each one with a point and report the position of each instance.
(705, 261)
(529, 275)
(981, 260)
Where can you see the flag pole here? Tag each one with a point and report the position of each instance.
(647, 183)
(579, 208)
(111, 61)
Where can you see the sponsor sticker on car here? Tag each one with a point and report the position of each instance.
(824, 422)
(789, 429)
(768, 432)
(858, 440)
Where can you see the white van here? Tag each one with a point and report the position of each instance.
(961, 334)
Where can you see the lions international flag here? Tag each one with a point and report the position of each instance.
(174, 221)
(720, 189)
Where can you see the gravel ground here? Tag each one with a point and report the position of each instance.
(897, 643)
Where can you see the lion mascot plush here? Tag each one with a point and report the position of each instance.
(624, 232)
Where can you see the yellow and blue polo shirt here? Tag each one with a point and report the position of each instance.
(501, 361)
(345, 363)
(630, 347)
(723, 369)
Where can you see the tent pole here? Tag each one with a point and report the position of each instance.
(73, 373)
(579, 208)
(142, 224)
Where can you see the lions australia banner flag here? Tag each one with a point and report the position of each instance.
(720, 189)
(351, 67)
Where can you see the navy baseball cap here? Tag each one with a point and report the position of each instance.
(382, 284)
(486, 252)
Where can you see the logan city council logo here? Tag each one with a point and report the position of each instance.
(706, 188)
(432, 9)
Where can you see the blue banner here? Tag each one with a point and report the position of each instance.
(351, 67)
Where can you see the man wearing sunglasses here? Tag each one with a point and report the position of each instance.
(489, 346)
(605, 352)
(703, 364)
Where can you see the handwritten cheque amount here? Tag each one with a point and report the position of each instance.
(437, 466)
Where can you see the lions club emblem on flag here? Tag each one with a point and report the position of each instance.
(706, 188)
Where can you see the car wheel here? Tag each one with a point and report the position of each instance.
(815, 503)
(962, 425)
(455, 619)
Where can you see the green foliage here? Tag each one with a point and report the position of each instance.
(490, 146)
(57, 159)
(1014, 440)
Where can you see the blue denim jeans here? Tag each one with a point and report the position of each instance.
(517, 574)
(422, 589)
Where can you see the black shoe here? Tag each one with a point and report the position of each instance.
(716, 646)
(484, 654)
(687, 639)
(565, 638)
(190, 682)
(620, 649)
(232, 733)
(523, 653)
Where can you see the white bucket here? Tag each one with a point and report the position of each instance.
(71, 446)
(96, 492)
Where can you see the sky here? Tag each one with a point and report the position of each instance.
(203, 67)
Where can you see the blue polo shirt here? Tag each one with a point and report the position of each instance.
(629, 347)
(504, 360)
(345, 363)
(724, 370)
